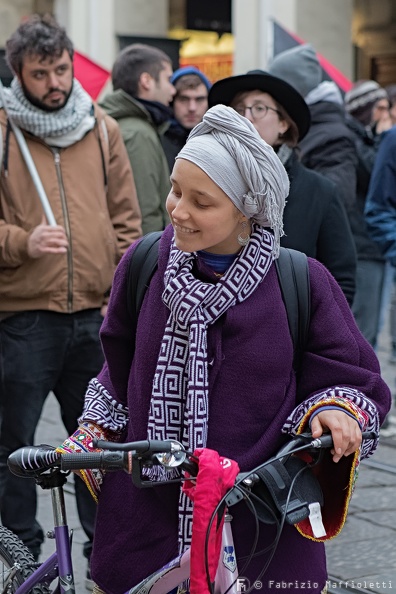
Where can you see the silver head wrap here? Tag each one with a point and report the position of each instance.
(228, 148)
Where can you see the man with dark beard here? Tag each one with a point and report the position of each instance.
(54, 279)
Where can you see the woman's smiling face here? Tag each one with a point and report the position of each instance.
(202, 215)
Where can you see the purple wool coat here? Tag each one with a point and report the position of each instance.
(252, 390)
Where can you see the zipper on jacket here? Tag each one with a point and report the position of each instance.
(67, 229)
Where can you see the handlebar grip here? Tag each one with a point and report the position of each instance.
(94, 460)
(145, 447)
(326, 440)
(30, 461)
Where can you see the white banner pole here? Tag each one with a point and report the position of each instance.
(29, 162)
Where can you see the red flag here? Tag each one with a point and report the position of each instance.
(284, 39)
(339, 78)
(92, 76)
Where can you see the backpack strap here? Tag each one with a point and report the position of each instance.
(293, 275)
(142, 266)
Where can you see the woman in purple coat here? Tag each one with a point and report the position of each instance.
(213, 365)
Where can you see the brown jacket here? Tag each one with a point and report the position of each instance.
(91, 191)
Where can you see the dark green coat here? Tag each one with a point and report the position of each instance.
(147, 157)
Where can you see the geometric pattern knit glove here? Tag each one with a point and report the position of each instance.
(81, 441)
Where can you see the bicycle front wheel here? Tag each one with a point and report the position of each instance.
(16, 559)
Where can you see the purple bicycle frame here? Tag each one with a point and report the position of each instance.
(59, 564)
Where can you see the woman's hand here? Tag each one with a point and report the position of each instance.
(344, 429)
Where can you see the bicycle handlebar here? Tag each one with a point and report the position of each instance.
(89, 460)
(140, 448)
(32, 461)
(326, 440)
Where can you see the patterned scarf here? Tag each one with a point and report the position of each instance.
(179, 407)
(76, 113)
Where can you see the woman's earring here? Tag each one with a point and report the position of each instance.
(243, 239)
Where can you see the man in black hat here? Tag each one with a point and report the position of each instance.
(315, 220)
(259, 82)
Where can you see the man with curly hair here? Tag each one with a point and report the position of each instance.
(54, 279)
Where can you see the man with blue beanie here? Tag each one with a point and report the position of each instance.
(189, 106)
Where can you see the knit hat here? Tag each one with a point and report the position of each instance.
(228, 148)
(185, 70)
(360, 100)
(299, 66)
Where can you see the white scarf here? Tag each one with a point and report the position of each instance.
(60, 128)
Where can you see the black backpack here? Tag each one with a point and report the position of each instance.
(293, 275)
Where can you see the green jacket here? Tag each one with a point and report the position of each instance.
(147, 157)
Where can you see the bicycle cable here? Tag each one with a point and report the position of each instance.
(209, 529)
(275, 544)
(238, 485)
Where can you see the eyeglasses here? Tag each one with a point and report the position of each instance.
(258, 110)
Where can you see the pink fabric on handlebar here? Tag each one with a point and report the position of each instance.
(216, 475)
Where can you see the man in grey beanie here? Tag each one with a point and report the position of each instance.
(300, 67)
(371, 275)
(329, 146)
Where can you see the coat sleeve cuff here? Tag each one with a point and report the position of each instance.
(80, 442)
(14, 242)
(337, 481)
(350, 399)
(101, 409)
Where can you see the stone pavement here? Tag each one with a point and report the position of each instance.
(362, 556)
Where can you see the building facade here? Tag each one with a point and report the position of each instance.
(357, 36)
